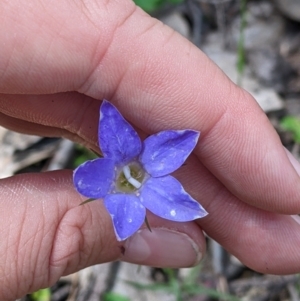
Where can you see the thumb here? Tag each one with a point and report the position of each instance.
(45, 234)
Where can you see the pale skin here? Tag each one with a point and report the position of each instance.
(59, 59)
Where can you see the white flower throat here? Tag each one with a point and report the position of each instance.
(127, 173)
(130, 177)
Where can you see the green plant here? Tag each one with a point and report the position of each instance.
(114, 297)
(82, 155)
(41, 295)
(292, 124)
(152, 5)
(182, 289)
(241, 59)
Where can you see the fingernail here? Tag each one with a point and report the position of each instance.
(293, 161)
(296, 218)
(162, 248)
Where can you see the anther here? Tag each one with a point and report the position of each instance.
(129, 178)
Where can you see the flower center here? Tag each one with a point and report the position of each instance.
(130, 178)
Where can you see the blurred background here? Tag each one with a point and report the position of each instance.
(256, 43)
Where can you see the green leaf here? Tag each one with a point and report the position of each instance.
(292, 124)
(147, 224)
(41, 295)
(87, 201)
(193, 275)
(201, 290)
(150, 287)
(170, 273)
(82, 155)
(181, 291)
(114, 297)
(152, 5)
(241, 59)
(148, 5)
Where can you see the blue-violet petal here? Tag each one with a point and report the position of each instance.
(166, 151)
(117, 138)
(94, 178)
(166, 198)
(127, 213)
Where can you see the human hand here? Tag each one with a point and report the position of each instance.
(57, 63)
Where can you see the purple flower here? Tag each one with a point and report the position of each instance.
(133, 176)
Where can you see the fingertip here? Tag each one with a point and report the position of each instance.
(168, 244)
(162, 248)
(293, 161)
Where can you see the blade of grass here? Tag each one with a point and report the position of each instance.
(241, 60)
(147, 224)
(87, 201)
(150, 287)
(41, 295)
(292, 124)
(201, 290)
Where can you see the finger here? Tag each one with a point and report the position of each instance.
(79, 115)
(49, 48)
(46, 235)
(256, 237)
(46, 115)
(238, 143)
(171, 85)
(40, 125)
(264, 241)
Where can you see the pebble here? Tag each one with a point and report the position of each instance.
(290, 8)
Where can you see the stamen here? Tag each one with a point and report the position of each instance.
(126, 171)
(129, 178)
(134, 183)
